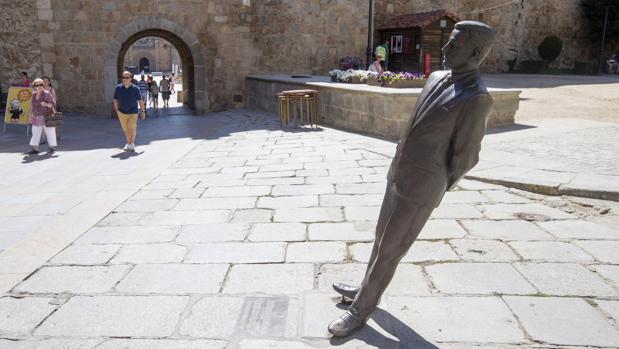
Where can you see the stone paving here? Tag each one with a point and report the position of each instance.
(557, 156)
(236, 243)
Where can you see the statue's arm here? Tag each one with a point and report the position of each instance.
(466, 140)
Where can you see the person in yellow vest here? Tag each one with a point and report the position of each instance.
(383, 52)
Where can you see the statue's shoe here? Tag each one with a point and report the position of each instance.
(346, 290)
(345, 325)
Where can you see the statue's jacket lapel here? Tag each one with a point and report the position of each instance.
(419, 168)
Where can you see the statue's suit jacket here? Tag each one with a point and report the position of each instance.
(442, 139)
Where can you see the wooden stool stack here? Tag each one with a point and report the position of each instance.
(305, 100)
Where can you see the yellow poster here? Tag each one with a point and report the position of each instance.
(18, 105)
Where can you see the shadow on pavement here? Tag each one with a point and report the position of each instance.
(81, 132)
(124, 155)
(508, 128)
(406, 336)
(30, 158)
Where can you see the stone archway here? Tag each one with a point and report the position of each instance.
(186, 43)
(144, 65)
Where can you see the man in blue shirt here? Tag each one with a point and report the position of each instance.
(126, 99)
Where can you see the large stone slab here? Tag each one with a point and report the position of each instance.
(565, 279)
(278, 232)
(551, 251)
(603, 251)
(478, 278)
(128, 235)
(483, 250)
(438, 229)
(50, 344)
(19, 316)
(580, 229)
(350, 231)
(150, 253)
(505, 230)
(270, 278)
(216, 203)
(195, 233)
(563, 321)
(115, 316)
(185, 217)
(309, 215)
(73, 279)
(518, 211)
(163, 344)
(232, 252)
(85, 254)
(174, 279)
(316, 252)
(608, 272)
(457, 319)
(212, 317)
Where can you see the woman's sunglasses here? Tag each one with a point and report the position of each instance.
(126, 77)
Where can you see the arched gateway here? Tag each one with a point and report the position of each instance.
(186, 43)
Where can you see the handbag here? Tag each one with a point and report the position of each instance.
(52, 118)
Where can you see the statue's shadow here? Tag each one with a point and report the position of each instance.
(405, 337)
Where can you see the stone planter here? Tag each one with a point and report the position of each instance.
(374, 82)
(355, 80)
(414, 83)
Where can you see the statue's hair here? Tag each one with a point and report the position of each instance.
(482, 35)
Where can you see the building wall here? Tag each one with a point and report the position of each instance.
(159, 55)
(521, 25)
(67, 40)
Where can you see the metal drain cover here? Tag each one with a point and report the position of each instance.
(263, 317)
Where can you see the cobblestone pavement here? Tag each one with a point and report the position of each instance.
(236, 244)
(559, 156)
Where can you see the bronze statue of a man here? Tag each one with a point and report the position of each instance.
(440, 144)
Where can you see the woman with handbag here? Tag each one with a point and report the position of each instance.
(43, 104)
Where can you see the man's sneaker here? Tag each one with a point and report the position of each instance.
(126, 147)
(33, 151)
(51, 151)
(132, 147)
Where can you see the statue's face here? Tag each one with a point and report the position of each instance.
(457, 53)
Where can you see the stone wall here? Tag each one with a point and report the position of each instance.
(367, 109)
(76, 42)
(521, 25)
(19, 40)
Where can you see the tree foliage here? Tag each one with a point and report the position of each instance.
(594, 10)
(550, 48)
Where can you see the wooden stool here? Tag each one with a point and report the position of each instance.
(306, 100)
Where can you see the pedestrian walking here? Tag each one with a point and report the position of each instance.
(126, 99)
(143, 86)
(26, 79)
(43, 103)
(47, 86)
(172, 83)
(154, 94)
(375, 67)
(164, 87)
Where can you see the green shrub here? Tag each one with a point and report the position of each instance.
(586, 67)
(550, 48)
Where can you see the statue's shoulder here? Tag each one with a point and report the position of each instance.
(438, 75)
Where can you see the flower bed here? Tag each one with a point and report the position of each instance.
(386, 79)
(403, 80)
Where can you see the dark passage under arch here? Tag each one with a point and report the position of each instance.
(184, 52)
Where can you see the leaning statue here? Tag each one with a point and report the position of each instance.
(440, 144)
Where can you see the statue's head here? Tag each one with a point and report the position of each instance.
(468, 45)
